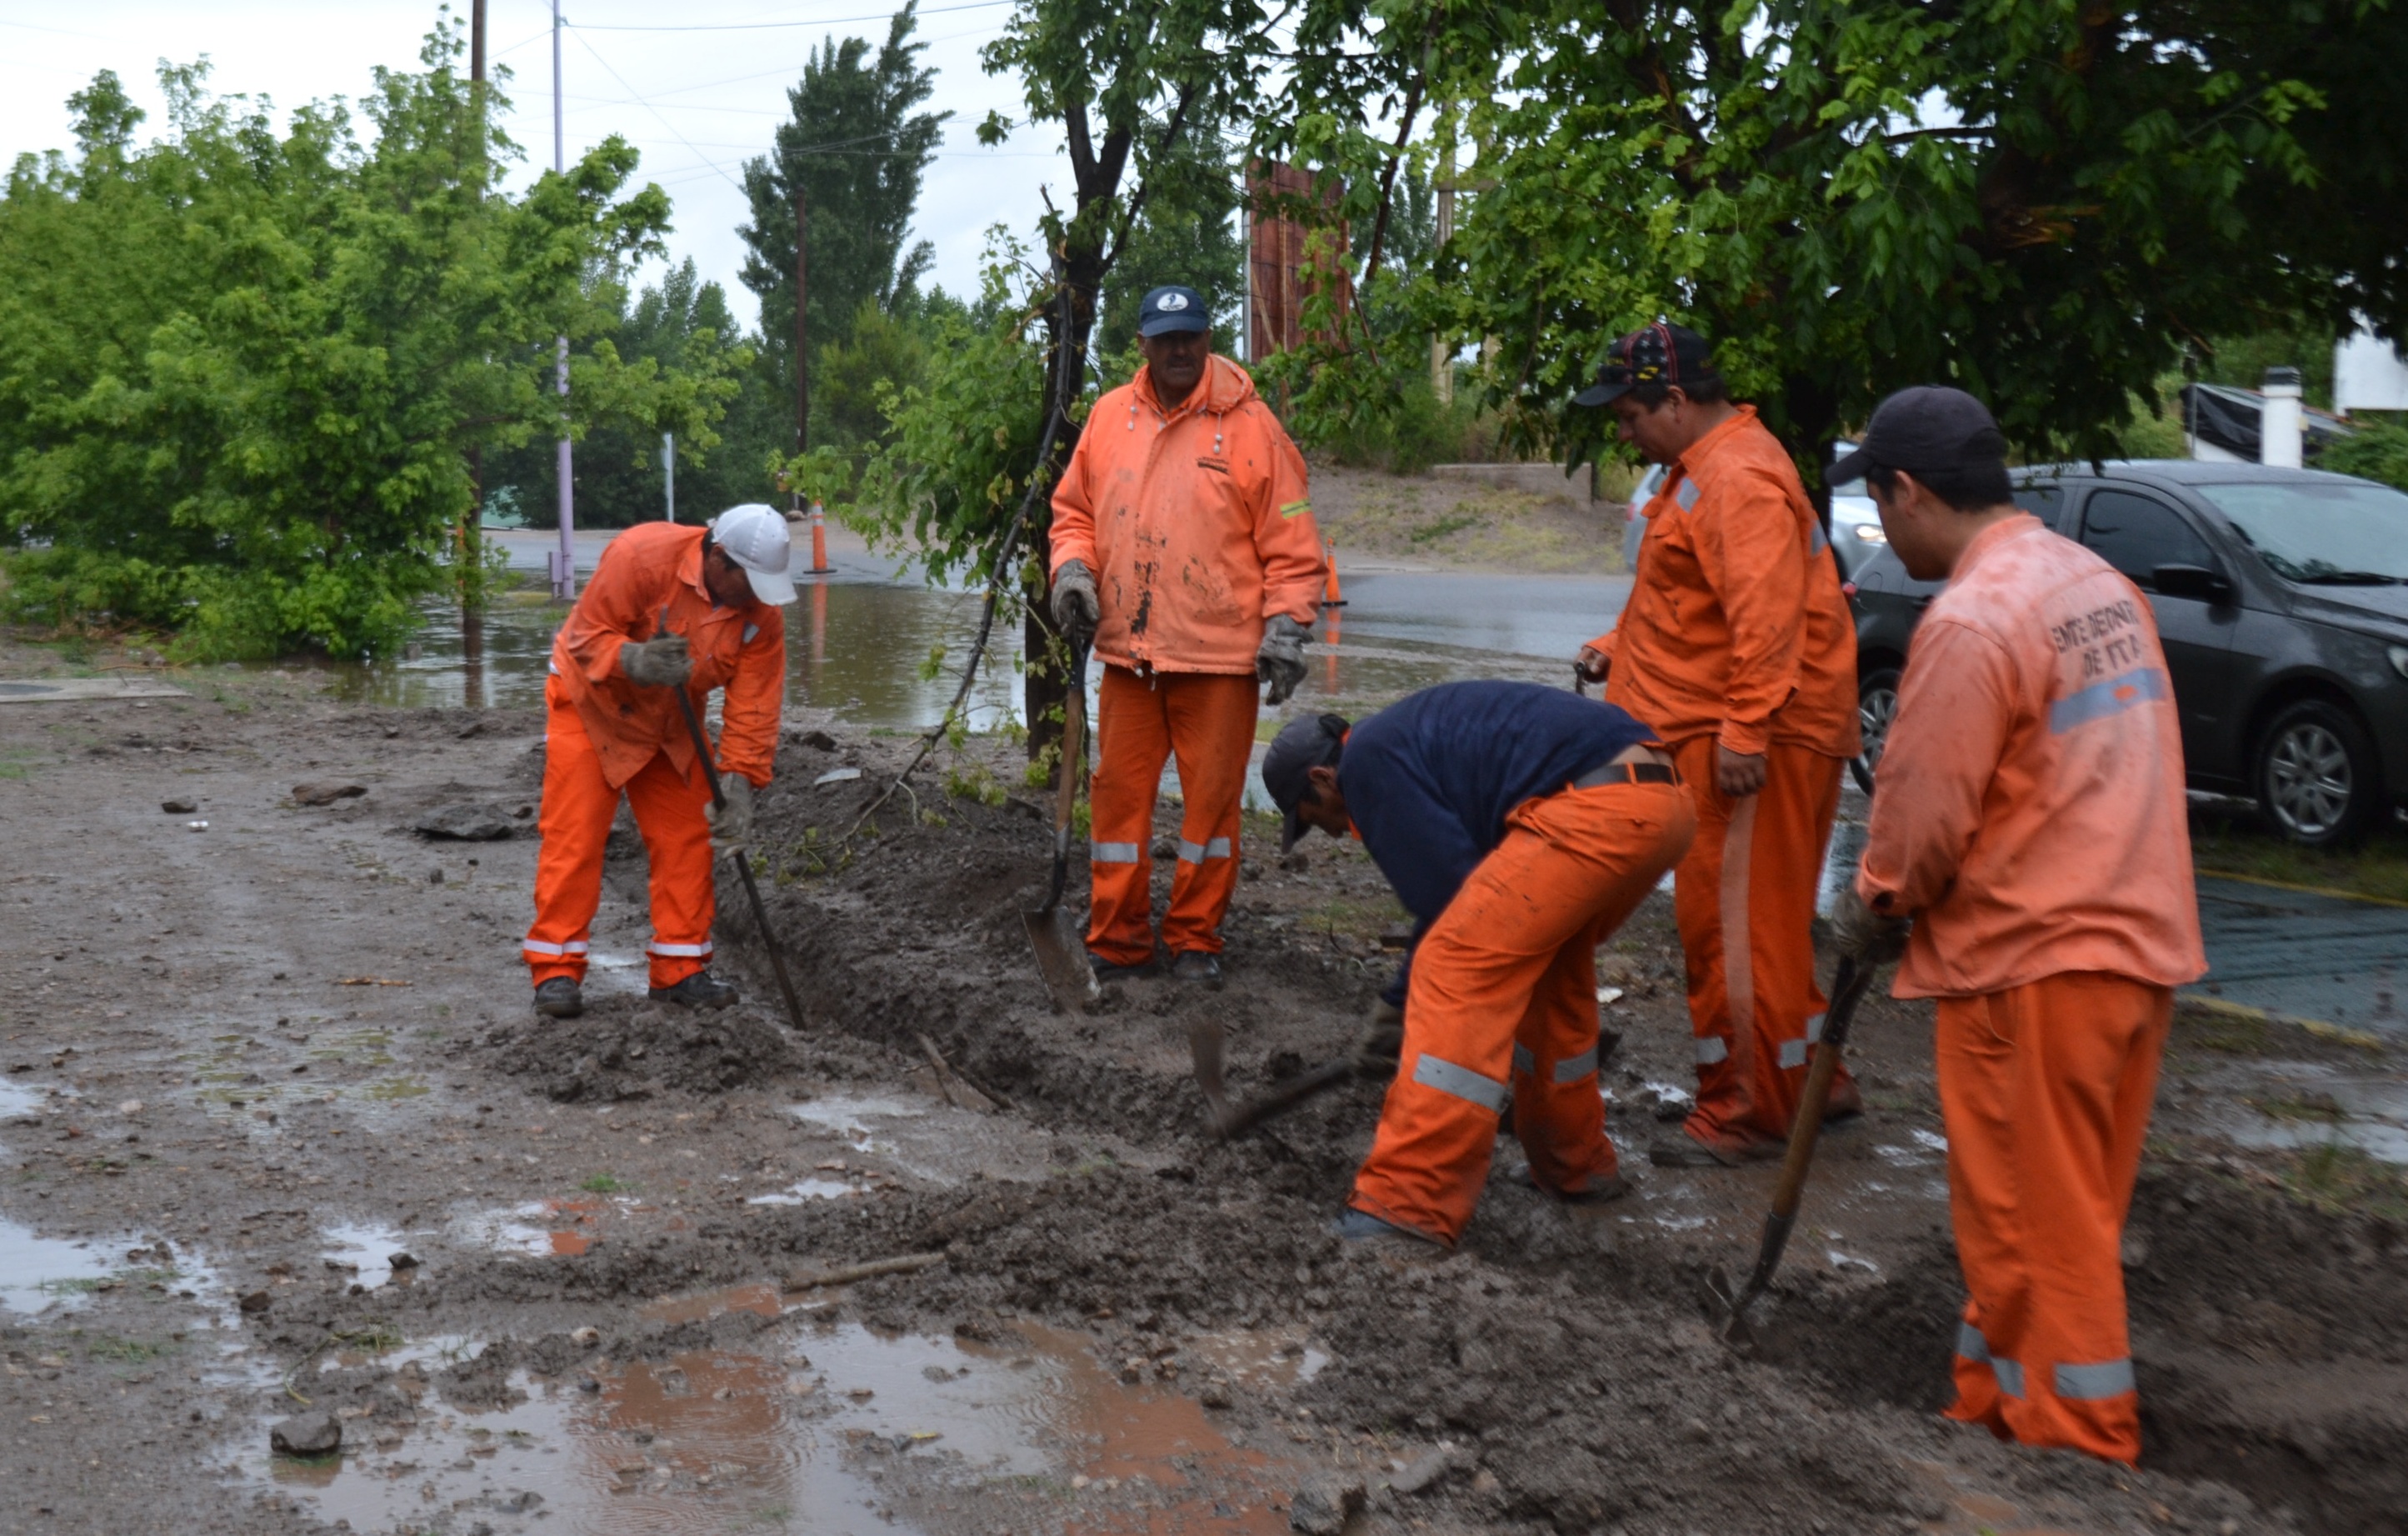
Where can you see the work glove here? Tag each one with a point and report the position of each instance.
(1076, 612)
(731, 824)
(656, 664)
(1383, 1042)
(1280, 660)
(1873, 938)
(1591, 664)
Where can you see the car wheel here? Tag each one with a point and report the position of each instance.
(1876, 707)
(2316, 776)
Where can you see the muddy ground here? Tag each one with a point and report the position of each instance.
(247, 1063)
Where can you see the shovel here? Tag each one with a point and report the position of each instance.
(1061, 950)
(1726, 1308)
(1229, 1121)
(743, 860)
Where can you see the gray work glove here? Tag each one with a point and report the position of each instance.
(1383, 1043)
(731, 824)
(1280, 660)
(1076, 612)
(1874, 938)
(656, 664)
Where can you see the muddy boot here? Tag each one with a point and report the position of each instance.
(1372, 1235)
(1198, 967)
(1112, 970)
(560, 999)
(700, 990)
(1686, 1149)
(1846, 1104)
(1603, 1191)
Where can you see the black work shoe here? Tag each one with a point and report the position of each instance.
(1112, 970)
(1602, 1191)
(700, 990)
(560, 998)
(1196, 964)
(1377, 1236)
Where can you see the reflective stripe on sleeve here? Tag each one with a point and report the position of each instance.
(1687, 495)
(1971, 1345)
(537, 946)
(2089, 1382)
(683, 951)
(2142, 685)
(1295, 508)
(1575, 1067)
(1523, 1062)
(1815, 540)
(1462, 1081)
(1112, 853)
(1710, 1049)
(1197, 853)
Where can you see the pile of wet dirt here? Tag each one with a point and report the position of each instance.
(630, 1048)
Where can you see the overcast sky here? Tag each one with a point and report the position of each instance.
(696, 102)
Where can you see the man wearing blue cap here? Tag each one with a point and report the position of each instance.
(1183, 547)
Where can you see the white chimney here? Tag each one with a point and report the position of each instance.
(2278, 424)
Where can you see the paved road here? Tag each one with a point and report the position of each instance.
(2304, 953)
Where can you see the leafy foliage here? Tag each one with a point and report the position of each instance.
(2378, 450)
(856, 148)
(2034, 199)
(241, 374)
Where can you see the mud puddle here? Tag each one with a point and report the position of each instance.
(40, 1274)
(833, 1427)
(2299, 1106)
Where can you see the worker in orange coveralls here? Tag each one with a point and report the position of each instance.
(1738, 646)
(1184, 547)
(1520, 826)
(670, 605)
(2031, 823)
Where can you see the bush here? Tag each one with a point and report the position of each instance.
(2377, 451)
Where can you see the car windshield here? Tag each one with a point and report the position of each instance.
(2329, 532)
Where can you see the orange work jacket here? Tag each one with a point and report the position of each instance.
(1196, 523)
(1736, 625)
(2030, 815)
(649, 583)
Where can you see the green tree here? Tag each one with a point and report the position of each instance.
(2035, 199)
(241, 374)
(855, 149)
(1186, 233)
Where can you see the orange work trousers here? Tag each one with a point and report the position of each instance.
(579, 806)
(1503, 1004)
(1207, 720)
(2045, 1090)
(1744, 900)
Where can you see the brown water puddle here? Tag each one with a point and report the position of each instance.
(820, 1429)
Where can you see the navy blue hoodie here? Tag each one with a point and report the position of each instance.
(1429, 780)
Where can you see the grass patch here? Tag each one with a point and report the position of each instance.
(110, 1347)
(2337, 1177)
(2311, 1108)
(606, 1184)
(1430, 533)
(2229, 842)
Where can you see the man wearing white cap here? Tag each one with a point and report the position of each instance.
(670, 605)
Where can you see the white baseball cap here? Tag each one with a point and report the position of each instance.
(758, 539)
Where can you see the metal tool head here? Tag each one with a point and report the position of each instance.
(1725, 1310)
(1062, 958)
(1204, 1051)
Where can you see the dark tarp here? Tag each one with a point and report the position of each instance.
(2228, 418)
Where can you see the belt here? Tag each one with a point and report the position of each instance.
(1626, 773)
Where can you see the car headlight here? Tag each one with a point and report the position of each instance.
(1871, 532)
(2399, 655)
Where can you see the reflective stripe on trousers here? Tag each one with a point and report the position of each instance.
(1197, 853)
(1793, 1052)
(657, 947)
(1112, 853)
(1570, 1070)
(2078, 1383)
(537, 946)
(1462, 1081)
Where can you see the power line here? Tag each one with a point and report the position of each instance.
(822, 21)
(654, 110)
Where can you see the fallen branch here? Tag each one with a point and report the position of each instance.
(944, 1076)
(847, 1274)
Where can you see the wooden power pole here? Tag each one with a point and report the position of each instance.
(802, 331)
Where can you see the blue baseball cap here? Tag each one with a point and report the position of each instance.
(1170, 308)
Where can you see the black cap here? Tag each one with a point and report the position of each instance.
(1172, 308)
(1929, 430)
(1305, 743)
(1661, 354)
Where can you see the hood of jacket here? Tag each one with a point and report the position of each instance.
(1225, 387)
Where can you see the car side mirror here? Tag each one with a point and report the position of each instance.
(2200, 581)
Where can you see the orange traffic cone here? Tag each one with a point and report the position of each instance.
(819, 541)
(1330, 595)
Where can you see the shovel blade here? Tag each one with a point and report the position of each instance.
(1723, 1309)
(1062, 959)
(1204, 1052)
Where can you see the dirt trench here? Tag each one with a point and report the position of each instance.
(1556, 1376)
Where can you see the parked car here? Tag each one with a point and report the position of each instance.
(2282, 600)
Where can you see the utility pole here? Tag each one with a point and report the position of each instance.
(564, 574)
(802, 331)
(470, 551)
(668, 473)
(1441, 351)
